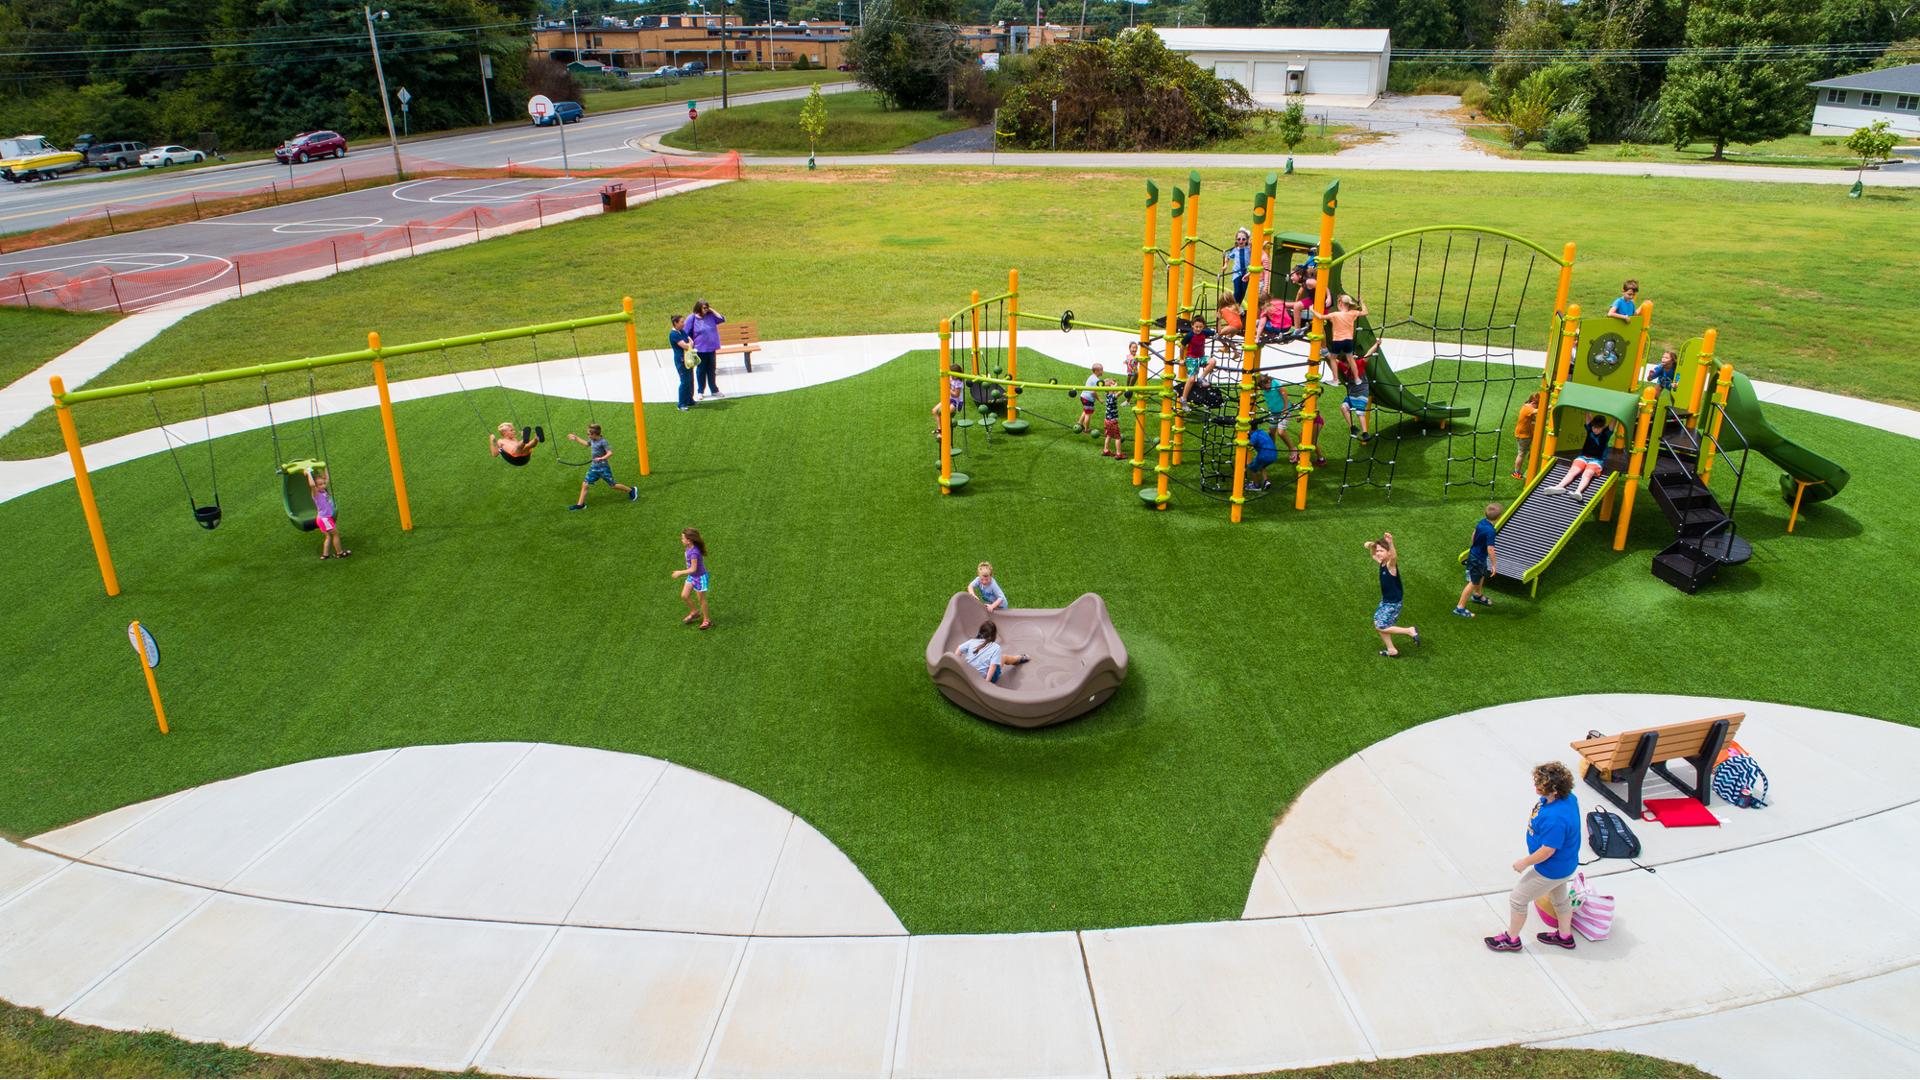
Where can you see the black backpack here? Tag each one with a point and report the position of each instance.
(1608, 835)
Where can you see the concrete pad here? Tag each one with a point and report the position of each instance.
(1268, 898)
(817, 891)
(211, 833)
(1349, 842)
(1791, 1037)
(1889, 1004)
(528, 851)
(804, 1007)
(698, 856)
(21, 867)
(1214, 998)
(60, 937)
(1880, 850)
(361, 848)
(81, 837)
(409, 991)
(1800, 912)
(1470, 791)
(223, 972)
(617, 1003)
(1421, 980)
(998, 1005)
(1664, 959)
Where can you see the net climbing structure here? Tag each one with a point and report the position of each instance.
(1236, 339)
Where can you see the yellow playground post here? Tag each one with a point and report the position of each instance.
(1147, 252)
(1722, 387)
(633, 373)
(1249, 363)
(1163, 467)
(149, 654)
(1329, 206)
(84, 484)
(1702, 371)
(1635, 465)
(1013, 343)
(973, 322)
(393, 436)
(946, 425)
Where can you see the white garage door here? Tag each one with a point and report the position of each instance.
(1231, 69)
(1270, 78)
(1339, 76)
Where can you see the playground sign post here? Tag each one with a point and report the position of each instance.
(149, 652)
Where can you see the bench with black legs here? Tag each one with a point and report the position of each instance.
(1626, 758)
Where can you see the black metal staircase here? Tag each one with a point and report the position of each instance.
(1705, 538)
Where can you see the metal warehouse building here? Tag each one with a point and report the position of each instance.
(1272, 64)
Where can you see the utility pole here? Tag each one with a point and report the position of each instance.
(386, 106)
(1082, 34)
(726, 53)
(486, 72)
(574, 18)
(769, 35)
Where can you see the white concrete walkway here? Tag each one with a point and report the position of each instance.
(556, 911)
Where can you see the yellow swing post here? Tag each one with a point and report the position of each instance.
(946, 418)
(1329, 205)
(393, 436)
(1147, 252)
(1163, 467)
(1249, 363)
(1635, 465)
(633, 373)
(1702, 371)
(83, 484)
(1013, 342)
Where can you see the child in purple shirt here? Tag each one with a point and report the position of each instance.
(694, 592)
(325, 514)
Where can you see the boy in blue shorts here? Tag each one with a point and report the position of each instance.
(1358, 396)
(1260, 445)
(1481, 559)
(597, 468)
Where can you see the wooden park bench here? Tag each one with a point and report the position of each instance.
(740, 337)
(1626, 758)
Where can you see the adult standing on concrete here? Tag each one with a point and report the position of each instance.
(704, 327)
(1553, 854)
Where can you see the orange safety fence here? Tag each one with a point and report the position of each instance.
(100, 288)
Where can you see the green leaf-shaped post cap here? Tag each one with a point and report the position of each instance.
(1193, 182)
(1179, 202)
(1273, 180)
(1153, 193)
(1330, 200)
(1260, 207)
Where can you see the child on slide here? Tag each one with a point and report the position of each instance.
(694, 592)
(516, 446)
(982, 653)
(1592, 459)
(326, 515)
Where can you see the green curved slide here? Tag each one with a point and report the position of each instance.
(1389, 392)
(1825, 477)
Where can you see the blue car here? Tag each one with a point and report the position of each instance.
(564, 112)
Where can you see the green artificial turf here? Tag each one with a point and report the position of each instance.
(888, 249)
(30, 337)
(856, 124)
(504, 617)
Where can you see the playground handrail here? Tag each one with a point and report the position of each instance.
(1404, 233)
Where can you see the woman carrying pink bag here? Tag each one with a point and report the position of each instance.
(1553, 856)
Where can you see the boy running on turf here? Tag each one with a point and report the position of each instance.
(1481, 561)
(597, 468)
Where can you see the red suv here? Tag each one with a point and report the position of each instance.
(310, 146)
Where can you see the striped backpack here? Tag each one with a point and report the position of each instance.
(1739, 779)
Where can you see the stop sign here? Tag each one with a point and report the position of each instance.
(693, 114)
(539, 106)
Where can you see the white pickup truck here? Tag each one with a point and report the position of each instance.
(32, 157)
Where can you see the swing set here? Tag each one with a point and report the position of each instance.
(294, 472)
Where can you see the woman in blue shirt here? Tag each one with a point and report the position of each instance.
(678, 340)
(1553, 854)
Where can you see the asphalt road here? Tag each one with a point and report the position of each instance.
(599, 140)
(209, 248)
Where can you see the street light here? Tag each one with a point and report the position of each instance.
(574, 18)
(379, 73)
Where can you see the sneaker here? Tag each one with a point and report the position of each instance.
(1503, 942)
(1519, 476)
(1550, 937)
(1463, 613)
(633, 494)
(716, 393)
(687, 408)
(577, 506)
(1353, 429)
(1481, 600)
(540, 433)
(526, 434)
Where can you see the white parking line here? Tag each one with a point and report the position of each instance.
(327, 225)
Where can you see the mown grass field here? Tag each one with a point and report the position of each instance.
(856, 124)
(1806, 151)
(704, 86)
(854, 251)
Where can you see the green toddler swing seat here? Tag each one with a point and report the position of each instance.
(297, 496)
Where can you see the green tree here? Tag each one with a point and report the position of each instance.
(1871, 143)
(1293, 122)
(908, 51)
(1737, 94)
(1127, 92)
(1233, 12)
(1529, 109)
(1011, 12)
(813, 119)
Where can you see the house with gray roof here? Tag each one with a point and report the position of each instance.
(1853, 101)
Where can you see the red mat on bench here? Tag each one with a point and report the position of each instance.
(1678, 813)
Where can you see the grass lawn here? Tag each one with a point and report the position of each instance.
(705, 86)
(30, 337)
(1505, 1061)
(1811, 151)
(856, 124)
(930, 235)
(832, 557)
(1328, 139)
(33, 1044)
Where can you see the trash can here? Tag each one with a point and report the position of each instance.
(613, 197)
